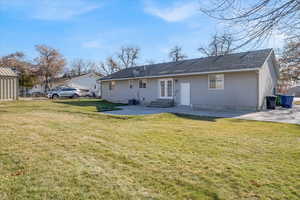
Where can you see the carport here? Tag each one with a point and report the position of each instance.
(8, 84)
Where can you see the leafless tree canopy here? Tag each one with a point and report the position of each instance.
(176, 54)
(290, 60)
(125, 58)
(220, 45)
(50, 63)
(81, 66)
(24, 68)
(14, 60)
(78, 66)
(257, 19)
(128, 56)
(110, 66)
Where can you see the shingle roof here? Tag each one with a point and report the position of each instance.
(4, 71)
(236, 61)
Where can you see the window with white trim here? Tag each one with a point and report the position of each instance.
(166, 88)
(112, 85)
(216, 81)
(142, 83)
(130, 84)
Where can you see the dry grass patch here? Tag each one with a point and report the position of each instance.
(61, 150)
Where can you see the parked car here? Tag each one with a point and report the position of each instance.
(64, 93)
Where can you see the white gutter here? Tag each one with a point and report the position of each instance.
(184, 74)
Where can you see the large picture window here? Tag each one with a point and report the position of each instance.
(216, 81)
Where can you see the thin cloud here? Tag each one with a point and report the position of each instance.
(50, 9)
(94, 44)
(177, 12)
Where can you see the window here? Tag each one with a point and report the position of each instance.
(68, 89)
(130, 84)
(166, 88)
(142, 83)
(112, 85)
(216, 81)
(162, 88)
(169, 88)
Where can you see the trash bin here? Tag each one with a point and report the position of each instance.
(271, 102)
(136, 102)
(133, 102)
(287, 101)
(130, 102)
(278, 100)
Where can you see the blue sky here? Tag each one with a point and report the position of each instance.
(96, 29)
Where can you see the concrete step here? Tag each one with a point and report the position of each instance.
(162, 103)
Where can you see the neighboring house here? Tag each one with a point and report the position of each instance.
(234, 81)
(295, 91)
(86, 82)
(8, 84)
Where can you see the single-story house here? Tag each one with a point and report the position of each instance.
(8, 84)
(233, 81)
(87, 82)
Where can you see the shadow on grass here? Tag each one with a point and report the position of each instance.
(100, 105)
(198, 118)
(96, 115)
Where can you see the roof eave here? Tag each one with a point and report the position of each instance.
(183, 74)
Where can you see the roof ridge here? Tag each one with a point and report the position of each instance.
(230, 54)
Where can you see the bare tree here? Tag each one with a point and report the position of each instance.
(290, 60)
(110, 66)
(220, 45)
(50, 63)
(128, 56)
(176, 54)
(256, 20)
(14, 60)
(78, 67)
(92, 66)
(25, 69)
(81, 66)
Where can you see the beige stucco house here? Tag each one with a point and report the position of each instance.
(234, 81)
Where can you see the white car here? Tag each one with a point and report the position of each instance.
(64, 93)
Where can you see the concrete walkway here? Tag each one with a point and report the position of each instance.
(279, 115)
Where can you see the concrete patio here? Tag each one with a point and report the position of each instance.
(279, 115)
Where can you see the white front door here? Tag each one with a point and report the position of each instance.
(185, 94)
(166, 88)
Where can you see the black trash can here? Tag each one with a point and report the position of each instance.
(271, 102)
(130, 102)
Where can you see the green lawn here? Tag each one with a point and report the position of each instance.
(68, 150)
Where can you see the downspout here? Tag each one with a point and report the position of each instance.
(101, 90)
(258, 90)
(17, 88)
